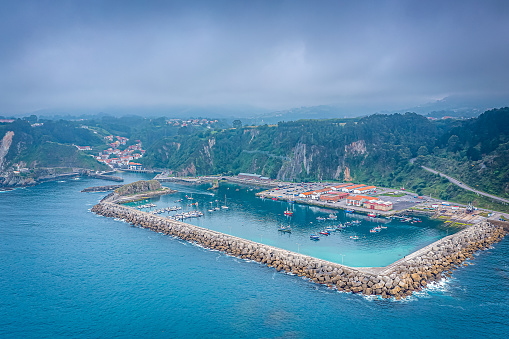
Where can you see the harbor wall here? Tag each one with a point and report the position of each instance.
(397, 280)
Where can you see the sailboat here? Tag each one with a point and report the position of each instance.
(224, 207)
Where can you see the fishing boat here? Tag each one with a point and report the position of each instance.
(320, 218)
(314, 237)
(275, 199)
(224, 207)
(288, 212)
(190, 198)
(332, 216)
(356, 222)
(354, 237)
(330, 229)
(324, 233)
(291, 201)
(372, 215)
(348, 211)
(285, 229)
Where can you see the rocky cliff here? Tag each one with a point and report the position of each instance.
(138, 187)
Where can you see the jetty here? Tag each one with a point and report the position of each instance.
(101, 188)
(397, 280)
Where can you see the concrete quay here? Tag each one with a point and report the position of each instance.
(397, 280)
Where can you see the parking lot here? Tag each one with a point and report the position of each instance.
(290, 191)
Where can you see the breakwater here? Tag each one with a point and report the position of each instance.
(397, 280)
(106, 177)
(101, 188)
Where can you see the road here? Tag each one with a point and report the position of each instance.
(462, 185)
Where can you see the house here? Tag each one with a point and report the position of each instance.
(350, 189)
(378, 205)
(358, 200)
(316, 194)
(135, 166)
(332, 196)
(338, 187)
(305, 194)
(83, 148)
(364, 190)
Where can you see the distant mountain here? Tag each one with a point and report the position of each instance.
(459, 106)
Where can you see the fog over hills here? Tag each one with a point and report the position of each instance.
(244, 59)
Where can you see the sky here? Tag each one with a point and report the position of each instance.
(368, 55)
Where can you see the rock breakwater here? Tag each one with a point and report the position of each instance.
(397, 280)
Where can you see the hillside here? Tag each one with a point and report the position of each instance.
(374, 149)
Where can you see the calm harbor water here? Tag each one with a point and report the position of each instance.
(258, 219)
(67, 272)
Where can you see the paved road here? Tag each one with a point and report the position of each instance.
(462, 185)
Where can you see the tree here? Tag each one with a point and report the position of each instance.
(452, 143)
(237, 124)
(423, 150)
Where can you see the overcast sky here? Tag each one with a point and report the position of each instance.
(270, 54)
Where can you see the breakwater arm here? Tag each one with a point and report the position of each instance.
(106, 177)
(398, 280)
(101, 188)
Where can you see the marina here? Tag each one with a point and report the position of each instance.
(284, 225)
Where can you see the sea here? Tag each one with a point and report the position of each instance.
(66, 272)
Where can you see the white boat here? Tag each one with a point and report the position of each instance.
(224, 206)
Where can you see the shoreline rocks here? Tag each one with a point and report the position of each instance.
(397, 280)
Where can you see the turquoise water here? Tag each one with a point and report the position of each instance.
(258, 219)
(66, 272)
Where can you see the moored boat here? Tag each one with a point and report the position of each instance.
(288, 212)
(314, 237)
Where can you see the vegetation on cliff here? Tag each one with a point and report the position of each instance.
(374, 149)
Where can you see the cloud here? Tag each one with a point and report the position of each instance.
(269, 54)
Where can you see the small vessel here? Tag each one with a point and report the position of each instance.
(275, 199)
(224, 206)
(190, 198)
(320, 218)
(285, 229)
(354, 237)
(324, 233)
(332, 216)
(372, 215)
(349, 210)
(314, 237)
(288, 212)
(291, 201)
(356, 222)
